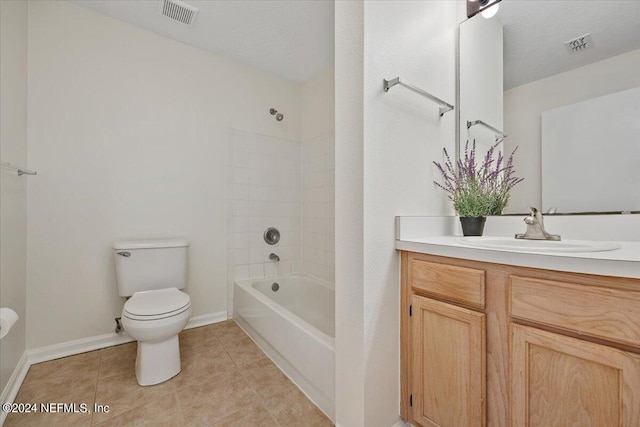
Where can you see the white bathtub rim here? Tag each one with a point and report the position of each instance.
(324, 339)
(322, 282)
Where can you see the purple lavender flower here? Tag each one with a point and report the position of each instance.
(478, 190)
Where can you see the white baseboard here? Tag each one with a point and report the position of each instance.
(207, 319)
(69, 348)
(13, 385)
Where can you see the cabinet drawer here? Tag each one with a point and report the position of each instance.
(610, 314)
(457, 284)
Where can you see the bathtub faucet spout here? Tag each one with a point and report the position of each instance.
(274, 257)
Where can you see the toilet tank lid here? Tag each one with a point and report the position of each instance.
(150, 243)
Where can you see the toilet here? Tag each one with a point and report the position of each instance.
(151, 273)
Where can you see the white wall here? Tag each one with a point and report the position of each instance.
(524, 104)
(265, 191)
(383, 169)
(129, 133)
(318, 179)
(317, 105)
(349, 98)
(13, 189)
(402, 135)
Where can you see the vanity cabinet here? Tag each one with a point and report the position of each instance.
(486, 344)
(562, 381)
(444, 343)
(448, 363)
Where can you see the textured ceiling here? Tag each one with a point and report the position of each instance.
(291, 38)
(535, 32)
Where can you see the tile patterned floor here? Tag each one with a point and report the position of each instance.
(226, 380)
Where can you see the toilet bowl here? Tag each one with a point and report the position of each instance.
(154, 319)
(151, 274)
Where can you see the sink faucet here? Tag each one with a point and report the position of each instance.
(274, 257)
(535, 228)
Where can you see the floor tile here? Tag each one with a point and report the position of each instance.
(226, 380)
(123, 393)
(79, 368)
(205, 402)
(225, 331)
(293, 409)
(198, 339)
(121, 350)
(243, 351)
(266, 379)
(118, 360)
(69, 390)
(255, 415)
(202, 366)
(60, 419)
(69, 393)
(160, 412)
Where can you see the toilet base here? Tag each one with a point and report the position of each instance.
(157, 362)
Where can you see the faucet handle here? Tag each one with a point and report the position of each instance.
(536, 214)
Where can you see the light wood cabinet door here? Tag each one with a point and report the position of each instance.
(563, 381)
(449, 377)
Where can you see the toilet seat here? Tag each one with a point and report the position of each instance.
(156, 304)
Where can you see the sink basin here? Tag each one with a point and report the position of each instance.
(512, 244)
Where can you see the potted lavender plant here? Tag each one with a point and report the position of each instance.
(477, 190)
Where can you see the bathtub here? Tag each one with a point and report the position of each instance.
(292, 318)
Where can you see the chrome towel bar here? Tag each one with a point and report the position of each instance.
(444, 106)
(21, 171)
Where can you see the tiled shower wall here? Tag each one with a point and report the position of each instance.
(265, 179)
(278, 183)
(318, 217)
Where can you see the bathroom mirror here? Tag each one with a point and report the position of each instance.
(519, 72)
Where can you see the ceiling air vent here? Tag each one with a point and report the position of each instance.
(579, 44)
(178, 11)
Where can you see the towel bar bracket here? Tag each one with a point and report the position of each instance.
(500, 134)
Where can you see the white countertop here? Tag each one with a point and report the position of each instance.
(622, 262)
(440, 235)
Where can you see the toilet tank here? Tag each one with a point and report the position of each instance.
(144, 265)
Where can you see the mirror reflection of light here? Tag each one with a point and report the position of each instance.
(491, 10)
